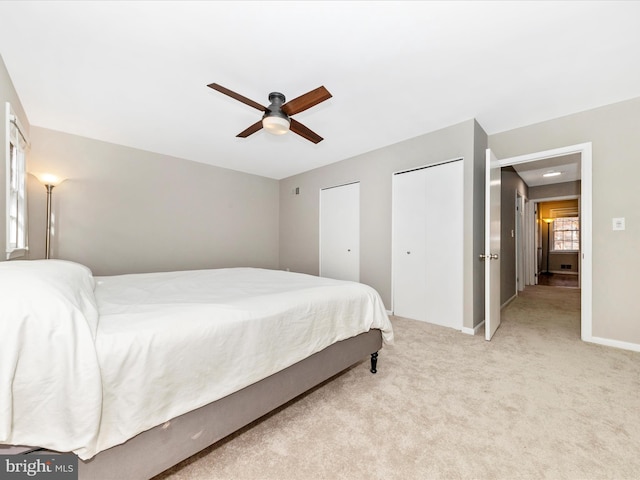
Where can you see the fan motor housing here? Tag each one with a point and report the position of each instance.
(277, 99)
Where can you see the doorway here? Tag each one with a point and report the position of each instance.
(558, 222)
(585, 212)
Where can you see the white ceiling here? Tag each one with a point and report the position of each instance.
(567, 165)
(135, 73)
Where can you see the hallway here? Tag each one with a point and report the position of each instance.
(559, 280)
(542, 314)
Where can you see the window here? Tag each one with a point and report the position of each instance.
(16, 244)
(566, 231)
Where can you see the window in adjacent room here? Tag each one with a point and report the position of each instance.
(16, 244)
(566, 230)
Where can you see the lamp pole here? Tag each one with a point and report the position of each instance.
(548, 221)
(47, 243)
(49, 181)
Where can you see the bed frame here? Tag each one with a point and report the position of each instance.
(163, 446)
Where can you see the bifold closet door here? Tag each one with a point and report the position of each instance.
(428, 244)
(340, 232)
(409, 252)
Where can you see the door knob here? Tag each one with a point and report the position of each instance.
(491, 256)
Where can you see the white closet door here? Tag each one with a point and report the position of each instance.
(340, 232)
(428, 223)
(409, 253)
(444, 244)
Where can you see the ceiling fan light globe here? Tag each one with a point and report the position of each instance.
(275, 125)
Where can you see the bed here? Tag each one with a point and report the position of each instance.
(134, 373)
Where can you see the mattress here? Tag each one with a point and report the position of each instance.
(159, 345)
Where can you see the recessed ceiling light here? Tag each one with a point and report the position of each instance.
(552, 174)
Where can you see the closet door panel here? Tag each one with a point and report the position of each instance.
(340, 232)
(428, 244)
(409, 254)
(444, 244)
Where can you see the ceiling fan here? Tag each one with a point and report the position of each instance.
(277, 116)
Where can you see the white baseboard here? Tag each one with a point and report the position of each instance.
(474, 330)
(608, 342)
(515, 295)
(563, 272)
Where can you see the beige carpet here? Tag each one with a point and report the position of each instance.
(533, 403)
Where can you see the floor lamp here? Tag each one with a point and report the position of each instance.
(548, 221)
(49, 181)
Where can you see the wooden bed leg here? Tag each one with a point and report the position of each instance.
(374, 362)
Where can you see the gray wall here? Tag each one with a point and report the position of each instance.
(124, 210)
(565, 189)
(299, 214)
(511, 184)
(613, 131)
(7, 94)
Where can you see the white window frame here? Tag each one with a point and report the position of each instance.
(559, 214)
(16, 186)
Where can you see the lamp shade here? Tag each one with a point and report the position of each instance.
(49, 179)
(547, 220)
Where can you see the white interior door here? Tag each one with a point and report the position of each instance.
(340, 232)
(492, 246)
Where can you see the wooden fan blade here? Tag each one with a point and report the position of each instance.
(308, 100)
(252, 129)
(300, 129)
(237, 96)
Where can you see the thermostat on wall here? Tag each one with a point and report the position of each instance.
(618, 223)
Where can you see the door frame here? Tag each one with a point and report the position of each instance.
(520, 237)
(586, 226)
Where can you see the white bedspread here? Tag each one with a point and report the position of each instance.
(172, 342)
(50, 385)
(167, 343)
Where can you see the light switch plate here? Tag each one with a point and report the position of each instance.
(618, 223)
